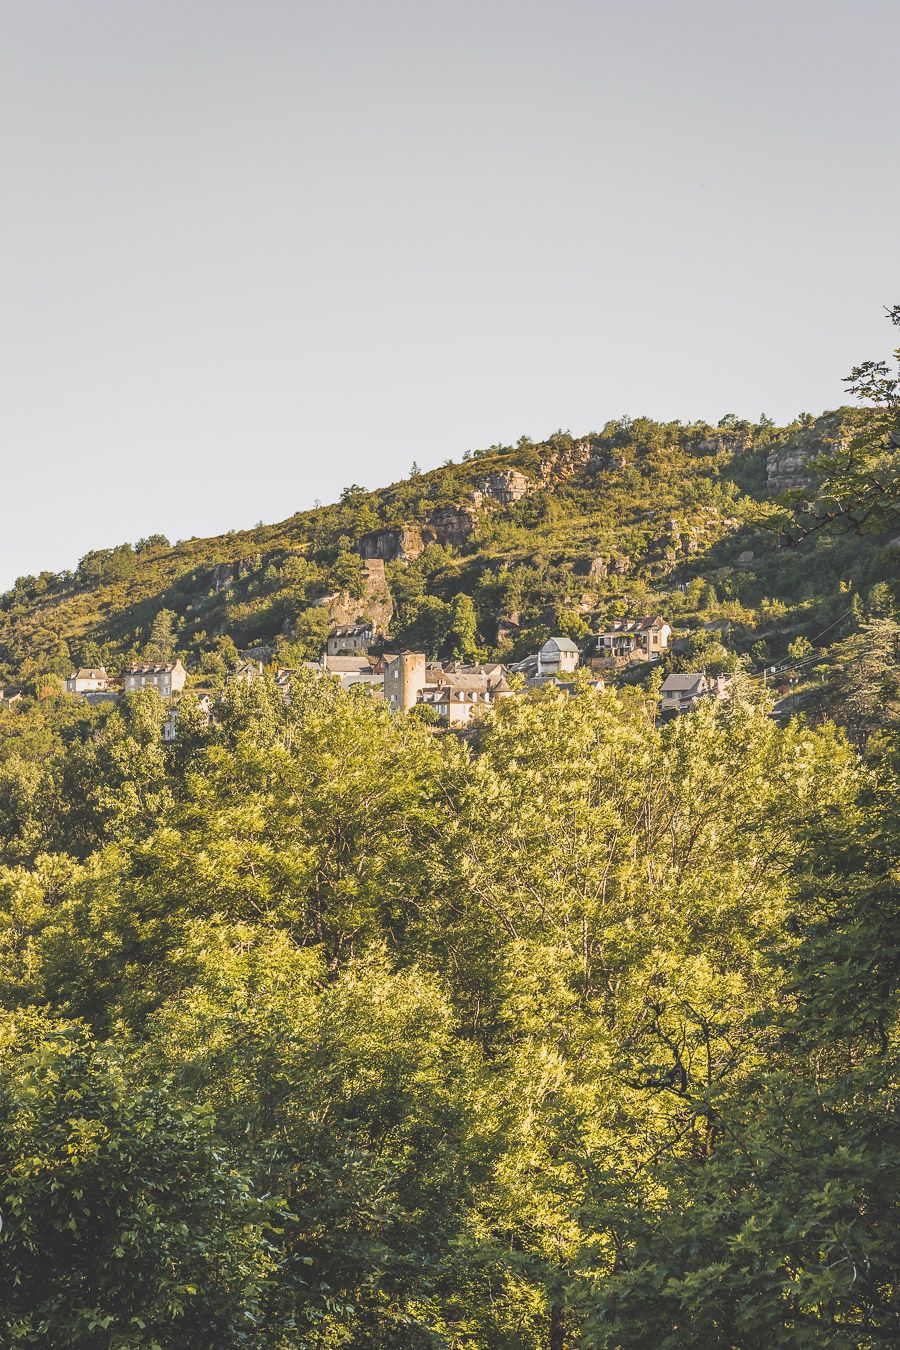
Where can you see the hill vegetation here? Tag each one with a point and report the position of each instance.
(641, 517)
(319, 1029)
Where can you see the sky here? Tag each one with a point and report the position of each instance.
(257, 250)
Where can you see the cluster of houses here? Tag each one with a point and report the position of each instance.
(457, 692)
(92, 682)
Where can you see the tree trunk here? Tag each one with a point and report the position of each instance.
(557, 1330)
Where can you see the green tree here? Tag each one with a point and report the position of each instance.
(347, 572)
(856, 485)
(309, 633)
(800, 648)
(865, 679)
(783, 1231)
(463, 634)
(161, 643)
(124, 1223)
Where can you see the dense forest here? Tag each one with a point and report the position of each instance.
(321, 1029)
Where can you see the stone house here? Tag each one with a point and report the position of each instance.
(454, 690)
(494, 672)
(634, 640)
(284, 676)
(460, 697)
(204, 703)
(348, 639)
(167, 678)
(87, 680)
(246, 672)
(352, 670)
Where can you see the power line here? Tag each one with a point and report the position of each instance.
(803, 661)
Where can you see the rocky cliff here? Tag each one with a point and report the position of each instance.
(449, 526)
(376, 604)
(785, 468)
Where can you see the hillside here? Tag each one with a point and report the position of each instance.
(550, 536)
(576, 1030)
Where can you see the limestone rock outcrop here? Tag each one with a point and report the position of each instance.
(785, 468)
(399, 543)
(506, 486)
(377, 603)
(449, 526)
(226, 574)
(565, 462)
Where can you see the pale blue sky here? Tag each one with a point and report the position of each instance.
(255, 250)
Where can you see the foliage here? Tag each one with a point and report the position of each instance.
(373, 1037)
(857, 485)
(321, 1028)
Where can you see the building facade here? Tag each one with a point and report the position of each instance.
(634, 640)
(349, 639)
(87, 680)
(167, 679)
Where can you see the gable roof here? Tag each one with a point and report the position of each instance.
(351, 629)
(89, 673)
(683, 684)
(347, 665)
(462, 681)
(561, 644)
(165, 668)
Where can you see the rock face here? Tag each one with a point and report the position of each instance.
(724, 442)
(564, 463)
(226, 574)
(377, 604)
(507, 486)
(592, 565)
(449, 526)
(785, 468)
(787, 464)
(402, 543)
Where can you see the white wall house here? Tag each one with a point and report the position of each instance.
(87, 680)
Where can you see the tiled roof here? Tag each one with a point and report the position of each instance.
(347, 665)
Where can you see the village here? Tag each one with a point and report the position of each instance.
(447, 694)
